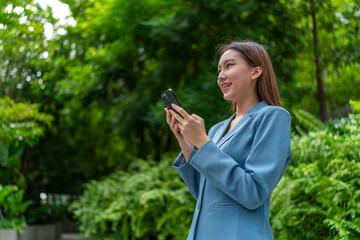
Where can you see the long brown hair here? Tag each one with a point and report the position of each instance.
(256, 56)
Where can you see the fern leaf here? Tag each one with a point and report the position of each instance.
(308, 120)
(351, 226)
(337, 226)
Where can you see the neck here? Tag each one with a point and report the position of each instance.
(243, 106)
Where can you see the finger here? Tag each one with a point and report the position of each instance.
(180, 110)
(175, 126)
(171, 119)
(178, 128)
(173, 122)
(168, 117)
(177, 117)
(196, 117)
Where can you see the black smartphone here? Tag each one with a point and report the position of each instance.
(169, 97)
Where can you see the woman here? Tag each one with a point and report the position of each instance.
(241, 159)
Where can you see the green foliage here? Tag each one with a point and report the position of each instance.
(318, 198)
(355, 105)
(148, 201)
(21, 125)
(12, 207)
(339, 47)
(101, 79)
(306, 122)
(22, 47)
(21, 122)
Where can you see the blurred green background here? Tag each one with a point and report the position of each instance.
(82, 122)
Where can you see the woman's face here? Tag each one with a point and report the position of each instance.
(236, 78)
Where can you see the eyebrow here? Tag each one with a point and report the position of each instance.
(228, 60)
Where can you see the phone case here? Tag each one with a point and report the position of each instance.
(169, 97)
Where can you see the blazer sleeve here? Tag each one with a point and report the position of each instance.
(264, 166)
(188, 173)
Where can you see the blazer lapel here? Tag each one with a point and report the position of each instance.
(239, 126)
(220, 132)
(235, 129)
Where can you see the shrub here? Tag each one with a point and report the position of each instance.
(319, 195)
(149, 201)
(12, 207)
(21, 125)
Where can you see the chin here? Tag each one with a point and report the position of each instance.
(227, 97)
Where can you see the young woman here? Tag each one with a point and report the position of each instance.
(241, 159)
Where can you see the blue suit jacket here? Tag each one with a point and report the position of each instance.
(232, 177)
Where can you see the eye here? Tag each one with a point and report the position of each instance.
(219, 70)
(229, 64)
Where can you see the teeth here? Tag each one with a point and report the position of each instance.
(226, 85)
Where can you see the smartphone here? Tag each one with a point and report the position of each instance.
(169, 97)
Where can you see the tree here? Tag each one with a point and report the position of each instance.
(327, 49)
(23, 47)
(320, 85)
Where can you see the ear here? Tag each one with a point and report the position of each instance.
(256, 73)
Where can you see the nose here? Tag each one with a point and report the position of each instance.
(221, 76)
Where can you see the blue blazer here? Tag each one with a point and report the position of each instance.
(232, 177)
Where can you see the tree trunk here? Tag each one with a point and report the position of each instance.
(320, 84)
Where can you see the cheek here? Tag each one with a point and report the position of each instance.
(242, 77)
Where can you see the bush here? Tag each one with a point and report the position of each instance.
(149, 201)
(21, 125)
(319, 195)
(12, 207)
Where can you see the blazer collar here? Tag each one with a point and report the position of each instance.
(220, 141)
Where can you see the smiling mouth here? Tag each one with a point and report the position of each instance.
(226, 85)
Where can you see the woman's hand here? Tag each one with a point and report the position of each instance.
(186, 147)
(192, 128)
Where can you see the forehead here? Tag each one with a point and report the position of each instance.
(229, 54)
